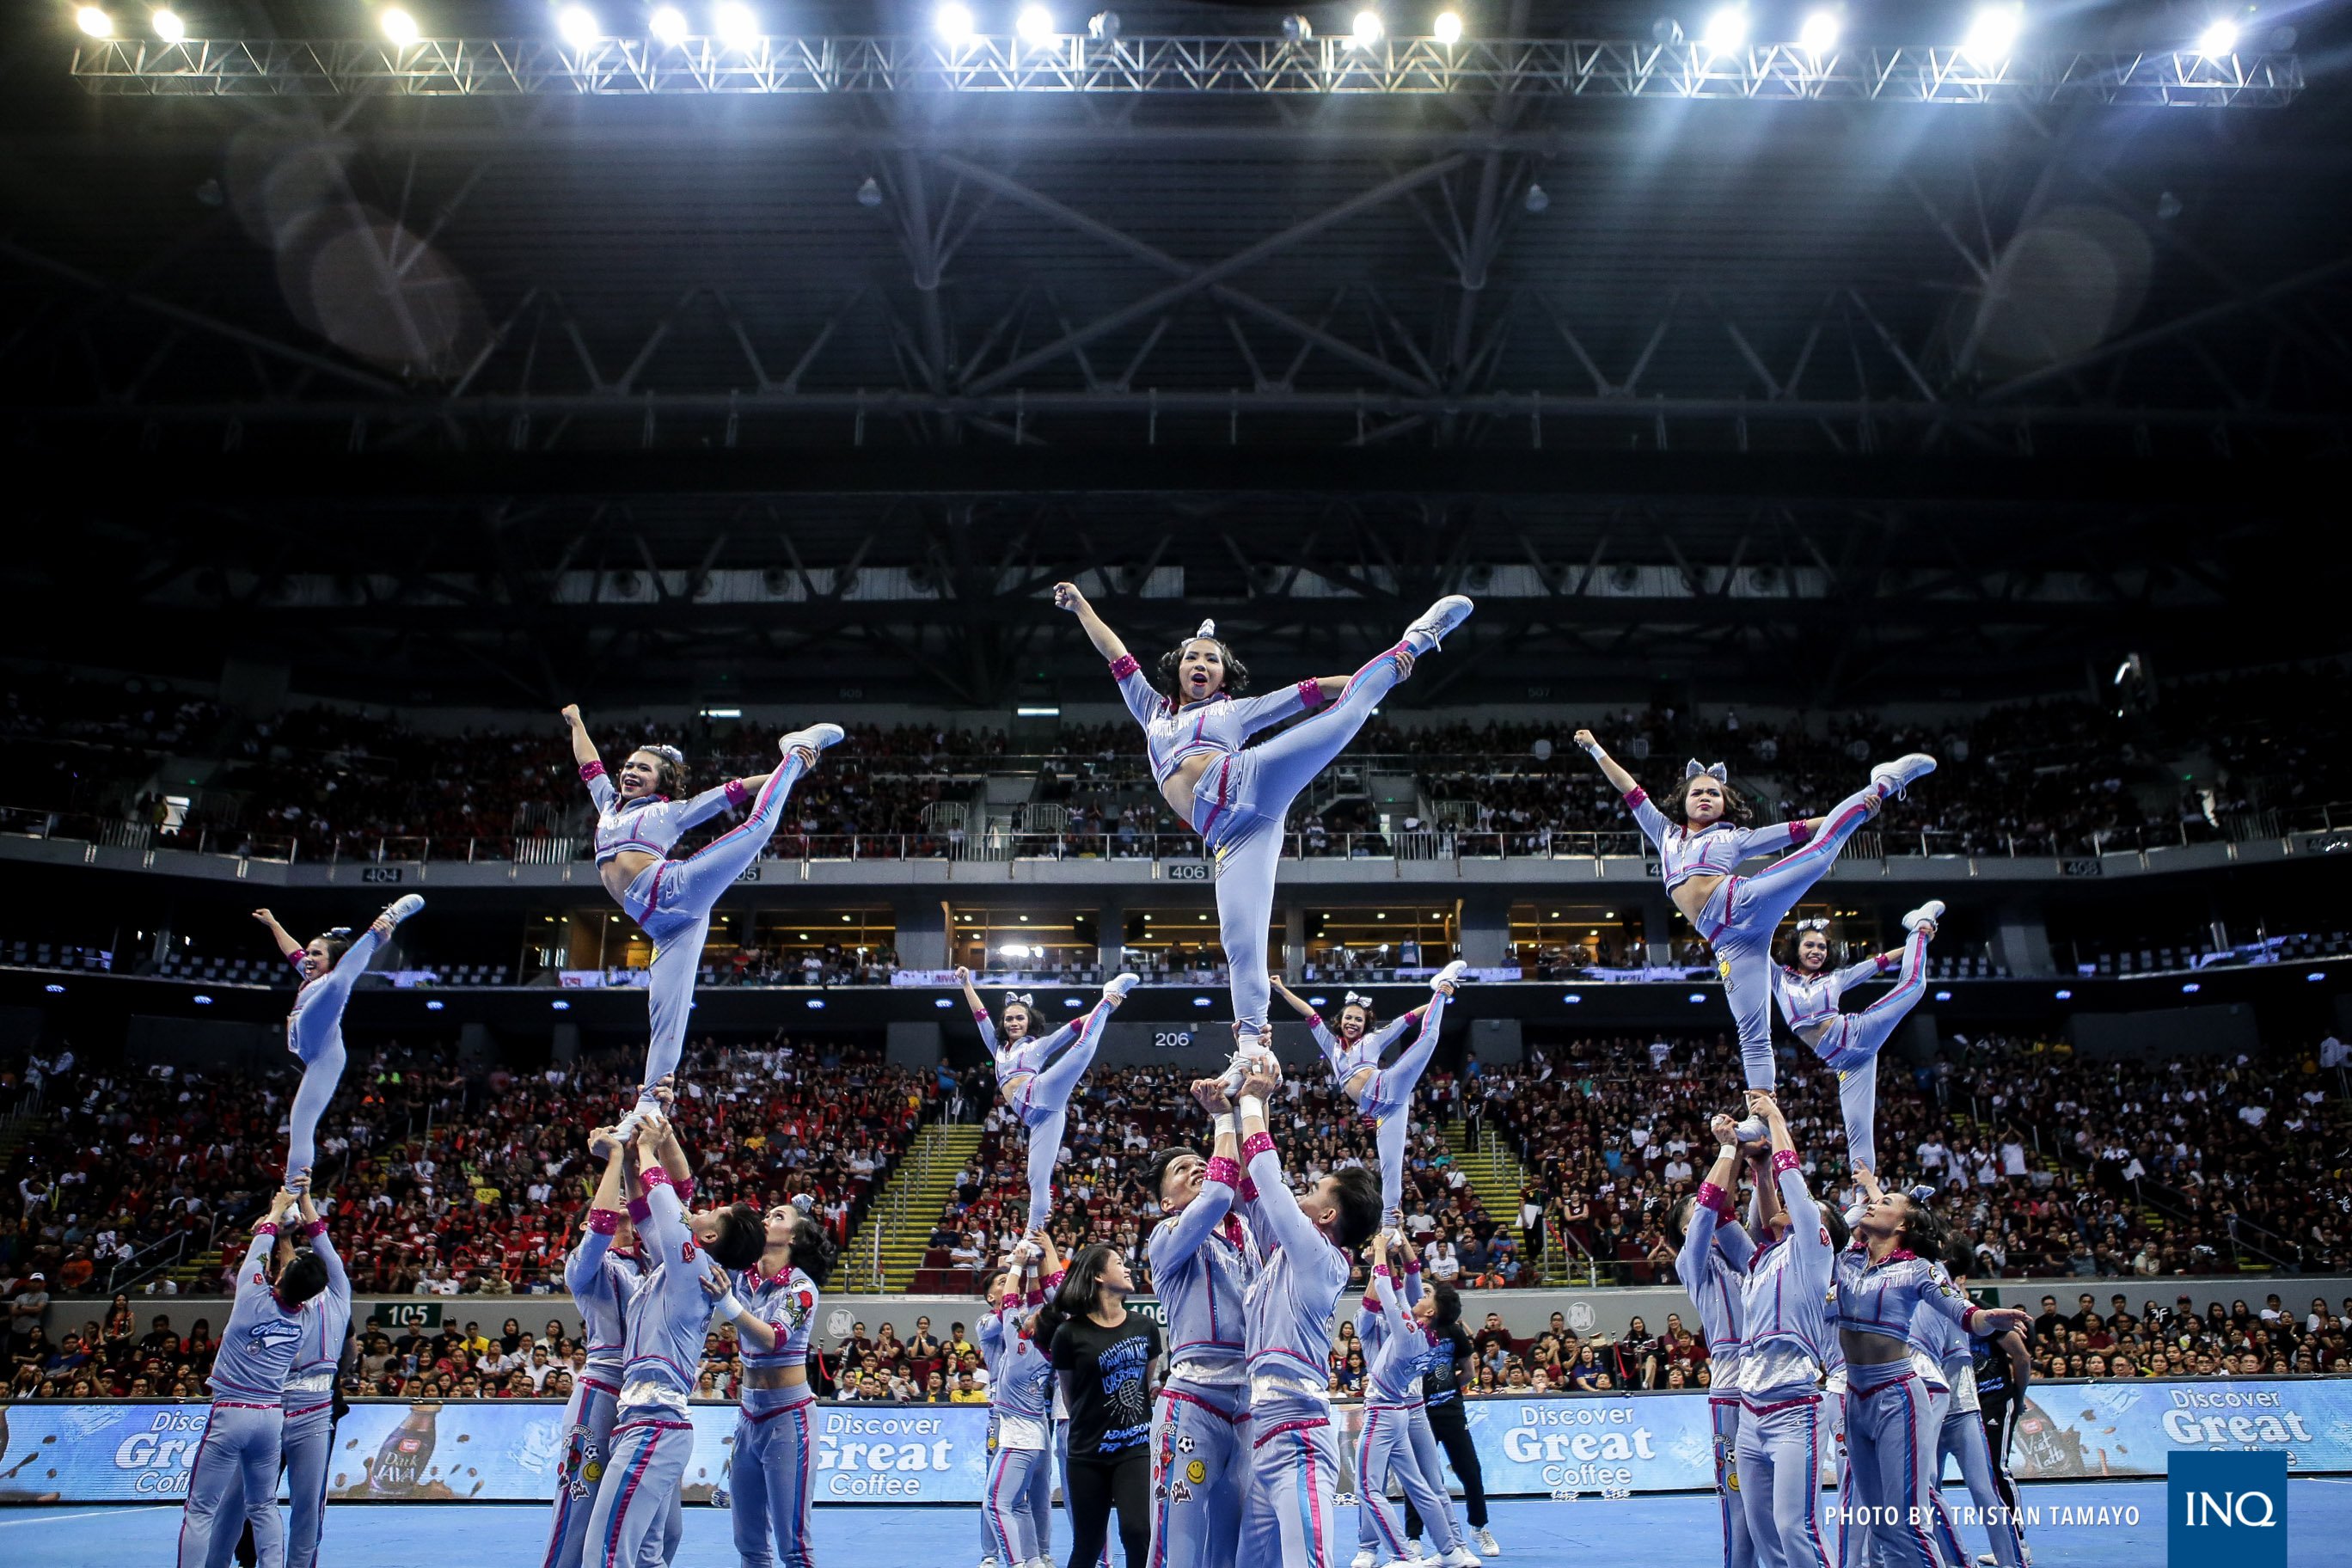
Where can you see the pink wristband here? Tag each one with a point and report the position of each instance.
(604, 1221)
(1224, 1172)
(1123, 666)
(315, 1228)
(1248, 1191)
(267, 1228)
(1310, 692)
(1799, 832)
(591, 771)
(1635, 795)
(1784, 1161)
(736, 794)
(1257, 1143)
(684, 1188)
(640, 1211)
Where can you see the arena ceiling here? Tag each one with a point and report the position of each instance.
(496, 388)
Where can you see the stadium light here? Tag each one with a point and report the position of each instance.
(1819, 36)
(1448, 27)
(1993, 34)
(94, 22)
(816, 1003)
(1367, 30)
(953, 22)
(168, 27)
(201, 1000)
(1200, 1002)
(1698, 995)
(1571, 998)
(2191, 988)
(60, 990)
(2315, 974)
(2065, 996)
(2219, 39)
(942, 1001)
(736, 25)
(433, 1007)
(578, 27)
(561, 1007)
(1036, 25)
(1069, 1001)
(398, 25)
(1726, 30)
(668, 25)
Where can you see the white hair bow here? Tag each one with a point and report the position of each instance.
(668, 753)
(1208, 629)
(1363, 1002)
(1814, 925)
(1692, 769)
(1021, 997)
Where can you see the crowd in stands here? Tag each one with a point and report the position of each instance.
(2188, 759)
(445, 1182)
(2051, 1164)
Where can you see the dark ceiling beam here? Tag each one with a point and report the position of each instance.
(248, 477)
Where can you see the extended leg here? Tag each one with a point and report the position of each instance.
(1246, 862)
(319, 1076)
(712, 870)
(1765, 898)
(678, 939)
(1045, 1147)
(309, 1442)
(1058, 1079)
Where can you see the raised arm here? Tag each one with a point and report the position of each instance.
(1294, 998)
(1618, 779)
(1714, 1205)
(604, 1212)
(1278, 1207)
(658, 1212)
(280, 935)
(1805, 1233)
(979, 1010)
(717, 798)
(338, 1283)
(1067, 597)
(592, 766)
(750, 1327)
(1174, 1242)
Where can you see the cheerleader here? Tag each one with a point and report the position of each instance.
(775, 1434)
(637, 821)
(329, 965)
(1702, 837)
(1018, 1501)
(1037, 1075)
(1382, 1094)
(1809, 990)
(602, 1273)
(1711, 1255)
(1195, 723)
(1965, 1436)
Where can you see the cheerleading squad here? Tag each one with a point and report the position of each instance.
(1215, 1443)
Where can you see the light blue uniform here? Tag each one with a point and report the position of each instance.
(635, 1519)
(307, 1435)
(1712, 1266)
(314, 1032)
(1018, 1498)
(1038, 1076)
(1849, 1043)
(1388, 1450)
(1289, 1509)
(235, 1475)
(1201, 1261)
(1388, 1097)
(1784, 1324)
(1962, 1437)
(775, 1435)
(1895, 1410)
(1743, 912)
(600, 1281)
(1241, 802)
(671, 900)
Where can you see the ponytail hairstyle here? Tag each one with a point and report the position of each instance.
(813, 1250)
(1171, 662)
(1925, 1231)
(669, 768)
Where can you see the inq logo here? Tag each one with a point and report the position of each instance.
(2226, 1508)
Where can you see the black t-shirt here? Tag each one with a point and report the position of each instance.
(1110, 1404)
(1453, 1349)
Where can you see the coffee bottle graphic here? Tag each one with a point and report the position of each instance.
(405, 1455)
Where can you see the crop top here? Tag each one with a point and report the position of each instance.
(652, 822)
(1808, 1001)
(1716, 850)
(1219, 724)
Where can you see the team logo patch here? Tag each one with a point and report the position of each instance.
(1196, 1472)
(685, 1251)
(1184, 1444)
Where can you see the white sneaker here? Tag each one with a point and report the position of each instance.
(1116, 990)
(1450, 975)
(1487, 1547)
(1854, 1215)
(988, 1563)
(401, 908)
(816, 738)
(1927, 914)
(1363, 1559)
(1753, 1131)
(1895, 777)
(1436, 621)
(1460, 1557)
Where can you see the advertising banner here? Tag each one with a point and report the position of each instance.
(499, 1450)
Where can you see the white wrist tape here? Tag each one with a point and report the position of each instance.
(1225, 1125)
(1253, 1106)
(728, 1307)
